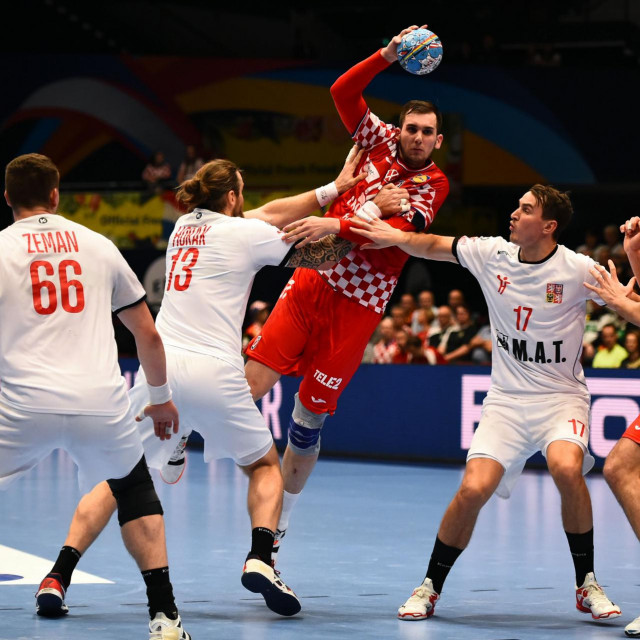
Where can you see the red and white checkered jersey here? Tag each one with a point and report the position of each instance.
(371, 276)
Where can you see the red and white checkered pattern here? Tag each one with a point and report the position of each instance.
(372, 131)
(356, 278)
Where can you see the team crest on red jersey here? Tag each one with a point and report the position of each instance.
(420, 178)
(554, 293)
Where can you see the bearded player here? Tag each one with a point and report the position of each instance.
(323, 320)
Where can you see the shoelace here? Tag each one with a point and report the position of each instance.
(596, 595)
(421, 592)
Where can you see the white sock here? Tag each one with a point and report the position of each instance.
(288, 502)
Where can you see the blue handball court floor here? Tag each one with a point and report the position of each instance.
(358, 543)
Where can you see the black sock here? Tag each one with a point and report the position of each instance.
(262, 544)
(581, 547)
(160, 593)
(442, 558)
(65, 564)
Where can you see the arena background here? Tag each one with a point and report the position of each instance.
(530, 91)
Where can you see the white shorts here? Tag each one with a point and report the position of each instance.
(214, 399)
(513, 428)
(102, 447)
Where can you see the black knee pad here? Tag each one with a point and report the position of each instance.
(135, 494)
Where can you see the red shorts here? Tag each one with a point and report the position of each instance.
(315, 332)
(633, 431)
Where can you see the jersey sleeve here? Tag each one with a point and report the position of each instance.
(265, 243)
(473, 253)
(347, 91)
(126, 288)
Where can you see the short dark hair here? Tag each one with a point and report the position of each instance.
(421, 106)
(556, 205)
(29, 180)
(208, 188)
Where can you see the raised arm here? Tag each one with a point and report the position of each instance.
(283, 211)
(347, 89)
(421, 245)
(152, 358)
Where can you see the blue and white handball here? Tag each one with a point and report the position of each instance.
(420, 51)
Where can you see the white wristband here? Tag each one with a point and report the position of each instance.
(368, 211)
(159, 395)
(327, 193)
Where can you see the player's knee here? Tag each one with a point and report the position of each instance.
(135, 494)
(304, 429)
(613, 471)
(474, 494)
(566, 473)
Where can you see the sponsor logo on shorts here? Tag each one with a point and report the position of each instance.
(327, 381)
(637, 427)
(255, 342)
(321, 401)
(554, 293)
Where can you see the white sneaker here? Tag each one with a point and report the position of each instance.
(421, 604)
(173, 469)
(632, 630)
(163, 628)
(277, 538)
(260, 577)
(590, 598)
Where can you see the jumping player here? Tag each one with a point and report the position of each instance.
(538, 400)
(622, 467)
(310, 331)
(60, 384)
(214, 253)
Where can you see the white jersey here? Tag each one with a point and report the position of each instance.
(537, 313)
(59, 283)
(212, 260)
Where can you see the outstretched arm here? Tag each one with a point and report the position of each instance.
(322, 254)
(381, 235)
(283, 211)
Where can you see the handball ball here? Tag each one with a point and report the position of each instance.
(420, 51)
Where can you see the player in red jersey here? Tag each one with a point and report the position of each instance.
(622, 467)
(323, 320)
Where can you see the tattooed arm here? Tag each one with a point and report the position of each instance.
(322, 254)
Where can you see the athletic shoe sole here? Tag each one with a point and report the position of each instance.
(48, 604)
(279, 602)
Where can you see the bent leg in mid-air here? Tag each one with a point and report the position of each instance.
(565, 462)
(264, 502)
(481, 478)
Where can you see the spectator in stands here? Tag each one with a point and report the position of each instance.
(425, 301)
(157, 173)
(588, 247)
(422, 322)
(455, 298)
(611, 234)
(401, 355)
(190, 164)
(632, 345)
(446, 326)
(610, 354)
(399, 319)
(384, 349)
(408, 304)
(458, 346)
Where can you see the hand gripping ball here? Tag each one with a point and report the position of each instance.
(420, 51)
